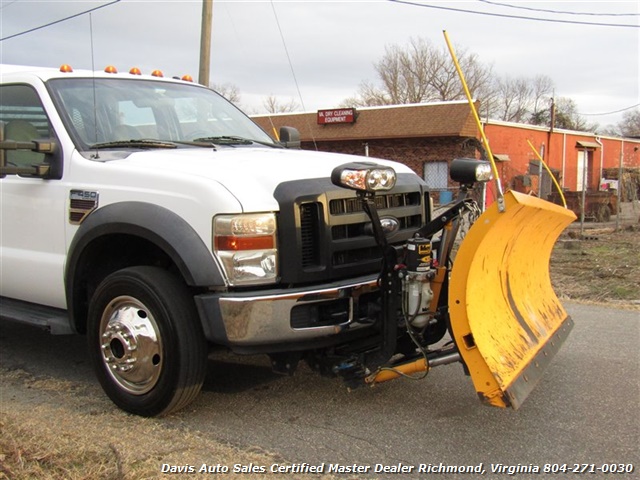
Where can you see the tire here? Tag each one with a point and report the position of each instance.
(146, 342)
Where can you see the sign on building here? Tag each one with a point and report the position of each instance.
(339, 115)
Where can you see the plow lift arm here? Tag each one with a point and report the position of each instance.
(496, 299)
(413, 288)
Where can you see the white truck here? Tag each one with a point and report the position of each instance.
(153, 216)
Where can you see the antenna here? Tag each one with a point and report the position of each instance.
(293, 73)
(93, 80)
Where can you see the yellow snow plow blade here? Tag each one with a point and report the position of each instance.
(506, 319)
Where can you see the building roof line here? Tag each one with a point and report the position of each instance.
(360, 109)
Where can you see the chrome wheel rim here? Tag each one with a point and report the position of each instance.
(131, 345)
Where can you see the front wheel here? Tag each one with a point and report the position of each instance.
(146, 342)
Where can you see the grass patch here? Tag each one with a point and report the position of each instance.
(603, 268)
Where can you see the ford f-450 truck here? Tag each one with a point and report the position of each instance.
(154, 217)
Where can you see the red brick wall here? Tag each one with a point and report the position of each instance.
(412, 152)
(561, 152)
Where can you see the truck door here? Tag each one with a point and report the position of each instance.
(32, 247)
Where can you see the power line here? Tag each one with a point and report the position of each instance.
(58, 21)
(520, 17)
(293, 73)
(286, 51)
(560, 11)
(6, 4)
(609, 113)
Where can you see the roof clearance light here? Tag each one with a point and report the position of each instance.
(110, 69)
(66, 68)
(157, 73)
(187, 78)
(135, 71)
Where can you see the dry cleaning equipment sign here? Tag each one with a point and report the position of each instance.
(340, 115)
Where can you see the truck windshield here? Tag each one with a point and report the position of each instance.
(118, 113)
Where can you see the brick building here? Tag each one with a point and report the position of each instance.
(576, 158)
(420, 136)
(426, 137)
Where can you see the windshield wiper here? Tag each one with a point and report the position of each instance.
(234, 140)
(140, 143)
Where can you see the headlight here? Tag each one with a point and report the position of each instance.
(246, 246)
(469, 171)
(364, 176)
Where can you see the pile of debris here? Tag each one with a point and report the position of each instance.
(629, 182)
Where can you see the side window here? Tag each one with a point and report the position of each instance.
(23, 119)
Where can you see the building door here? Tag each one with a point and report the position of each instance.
(583, 167)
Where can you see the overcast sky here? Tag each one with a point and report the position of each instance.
(318, 52)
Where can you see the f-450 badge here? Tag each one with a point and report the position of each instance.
(81, 204)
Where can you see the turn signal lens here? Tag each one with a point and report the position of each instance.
(231, 242)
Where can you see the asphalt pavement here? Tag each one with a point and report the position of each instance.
(583, 417)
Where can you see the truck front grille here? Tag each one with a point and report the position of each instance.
(325, 235)
(309, 232)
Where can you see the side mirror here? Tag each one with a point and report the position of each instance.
(468, 171)
(47, 169)
(289, 137)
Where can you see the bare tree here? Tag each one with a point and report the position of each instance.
(515, 96)
(567, 116)
(368, 95)
(228, 91)
(446, 82)
(273, 105)
(521, 99)
(629, 126)
(406, 73)
(420, 72)
(542, 90)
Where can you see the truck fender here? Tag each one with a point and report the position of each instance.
(155, 224)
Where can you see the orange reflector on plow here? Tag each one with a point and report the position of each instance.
(506, 319)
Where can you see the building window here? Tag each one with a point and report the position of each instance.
(436, 175)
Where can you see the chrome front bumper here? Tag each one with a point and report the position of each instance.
(250, 319)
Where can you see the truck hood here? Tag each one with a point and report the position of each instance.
(250, 174)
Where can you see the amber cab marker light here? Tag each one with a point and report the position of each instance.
(135, 71)
(157, 73)
(66, 68)
(110, 69)
(187, 78)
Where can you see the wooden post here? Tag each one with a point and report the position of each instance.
(205, 42)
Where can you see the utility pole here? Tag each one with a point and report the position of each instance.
(205, 42)
(552, 125)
